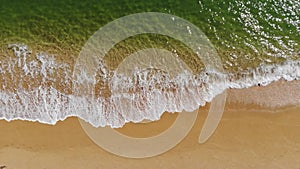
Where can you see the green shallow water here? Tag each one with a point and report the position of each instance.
(54, 82)
(244, 33)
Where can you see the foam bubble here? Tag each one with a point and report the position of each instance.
(135, 96)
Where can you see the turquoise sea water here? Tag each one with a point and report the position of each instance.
(258, 42)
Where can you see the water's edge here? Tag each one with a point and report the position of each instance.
(44, 89)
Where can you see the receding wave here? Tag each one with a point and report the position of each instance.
(40, 87)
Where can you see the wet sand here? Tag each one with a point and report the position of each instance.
(244, 139)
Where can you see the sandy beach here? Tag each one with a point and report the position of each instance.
(244, 139)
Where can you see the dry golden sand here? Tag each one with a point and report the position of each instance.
(244, 139)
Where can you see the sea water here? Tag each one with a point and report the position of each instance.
(258, 43)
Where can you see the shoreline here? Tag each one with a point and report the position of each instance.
(266, 98)
(259, 99)
(276, 95)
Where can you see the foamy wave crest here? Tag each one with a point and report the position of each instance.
(38, 87)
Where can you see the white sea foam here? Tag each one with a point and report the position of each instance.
(145, 94)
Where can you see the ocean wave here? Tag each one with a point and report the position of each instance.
(37, 87)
